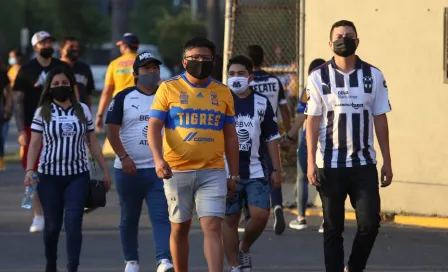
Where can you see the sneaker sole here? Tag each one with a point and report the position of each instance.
(300, 227)
(279, 223)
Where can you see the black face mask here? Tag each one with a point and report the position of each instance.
(73, 54)
(344, 47)
(199, 69)
(61, 93)
(46, 53)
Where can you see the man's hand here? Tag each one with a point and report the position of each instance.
(163, 170)
(129, 166)
(23, 139)
(232, 187)
(286, 143)
(99, 124)
(276, 179)
(313, 174)
(386, 175)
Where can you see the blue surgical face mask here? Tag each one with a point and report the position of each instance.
(12, 61)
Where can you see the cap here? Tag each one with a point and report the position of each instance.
(128, 39)
(144, 58)
(40, 36)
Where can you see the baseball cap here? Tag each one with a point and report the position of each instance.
(128, 39)
(40, 36)
(144, 58)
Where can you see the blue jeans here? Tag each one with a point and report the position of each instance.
(302, 181)
(2, 138)
(132, 190)
(58, 194)
(254, 191)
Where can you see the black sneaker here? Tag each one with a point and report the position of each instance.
(279, 220)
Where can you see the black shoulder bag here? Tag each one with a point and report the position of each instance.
(97, 188)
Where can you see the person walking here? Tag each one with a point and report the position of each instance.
(270, 86)
(135, 174)
(196, 114)
(256, 125)
(70, 51)
(290, 139)
(62, 126)
(26, 93)
(347, 97)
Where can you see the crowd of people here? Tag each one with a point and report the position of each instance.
(193, 142)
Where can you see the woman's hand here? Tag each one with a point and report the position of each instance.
(29, 180)
(107, 180)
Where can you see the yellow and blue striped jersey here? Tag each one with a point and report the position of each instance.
(194, 120)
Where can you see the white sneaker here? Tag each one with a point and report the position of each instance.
(245, 260)
(132, 266)
(235, 269)
(38, 224)
(321, 228)
(165, 266)
(298, 224)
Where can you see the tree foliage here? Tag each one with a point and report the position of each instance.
(173, 31)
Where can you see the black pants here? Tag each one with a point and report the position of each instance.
(361, 185)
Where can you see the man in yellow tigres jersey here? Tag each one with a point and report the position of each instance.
(119, 76)
(197, 114)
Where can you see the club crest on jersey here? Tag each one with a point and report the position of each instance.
(368, 84)
(214, 99)
(260, 113)
(183, 98)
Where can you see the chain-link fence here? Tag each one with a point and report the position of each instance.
(274, 25)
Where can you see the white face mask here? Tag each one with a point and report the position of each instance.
(238, 84)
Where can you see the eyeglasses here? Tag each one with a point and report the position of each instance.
(199, 57)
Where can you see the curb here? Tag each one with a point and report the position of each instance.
(407, 220)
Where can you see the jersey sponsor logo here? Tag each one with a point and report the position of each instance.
(353, 105)
(124, 71)
(183, 97)
(145, 134)
(125, 63)
(68, 130)
(345, 95)
(197, 118)
(265, 87)
(143, 118)
(214, 99)
(244, 140)
(192, 137)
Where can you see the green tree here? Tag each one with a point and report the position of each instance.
(173, 31)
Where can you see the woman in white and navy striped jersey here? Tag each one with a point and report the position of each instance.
(62, 125)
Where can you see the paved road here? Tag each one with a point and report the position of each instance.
(398, 248)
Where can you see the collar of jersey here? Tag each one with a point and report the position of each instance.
(358, 63)
(194, 85)
(138, 90)
(61, 108)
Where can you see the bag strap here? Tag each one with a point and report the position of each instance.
(89, 145)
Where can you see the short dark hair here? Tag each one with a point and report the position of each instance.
(242, 60)
(256, 54)
(200, 42)
(67, 39)
(17, 52)
(314, 64)
(342, 23)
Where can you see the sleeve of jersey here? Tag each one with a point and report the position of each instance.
(281, 94)
(381, 104)
(89, 121)
(301, 106)
(115, 111)
(160, 106)
(314, 104)
(109, 80)
(230, 110)
(269, 126)
(37, 124)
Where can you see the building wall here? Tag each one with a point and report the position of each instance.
(405, 40)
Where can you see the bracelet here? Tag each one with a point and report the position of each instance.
(123, 157)
(29, 170)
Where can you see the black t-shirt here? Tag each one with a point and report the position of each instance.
(84, 80)
(4, 82)
(30, 80)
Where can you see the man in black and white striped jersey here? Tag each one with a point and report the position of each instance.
(346, 97)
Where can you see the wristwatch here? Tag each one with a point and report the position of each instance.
(235, 178)
(123, 157)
